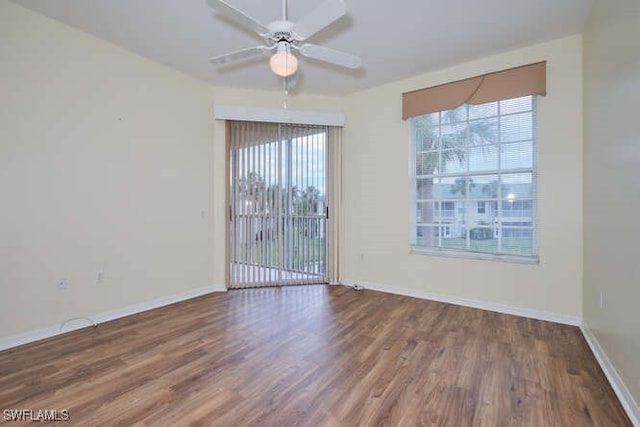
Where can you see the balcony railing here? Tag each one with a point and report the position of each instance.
(294, 243)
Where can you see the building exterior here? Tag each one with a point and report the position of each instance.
(482, 215)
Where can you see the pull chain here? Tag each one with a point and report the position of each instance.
(285, 87)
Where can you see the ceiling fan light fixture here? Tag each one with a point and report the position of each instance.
(283, 63)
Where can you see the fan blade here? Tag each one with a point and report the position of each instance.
(319, 18)
(239, 54)
(240, 17)
(329, 55)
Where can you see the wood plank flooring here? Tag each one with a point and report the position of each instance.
(314, 356)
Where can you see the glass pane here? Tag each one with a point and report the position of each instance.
(453, 136)
(484, 131)
(517, 186)
(456, 115)
(426, 120)
(517, 155)
(516, 208)
(517, 127)
(421, 232)
(441, 188)
(426, 139)
(480, 213)
(517, 241)
(482, 186)
(427, 163)
(432, 235)
(454, 243)
(483, 110)
(425, 212)
(516, 105)
(483, 158)
(481, 232)
(444, 210)
(485, 241)
(484, 193)
(454, 161)
(424, 188)
(461, 188)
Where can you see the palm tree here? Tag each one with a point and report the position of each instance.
(491, 189)
(273, 195)
(309, 201)
(251, 188)
(434, 152)
(277, 199)
(462, 186)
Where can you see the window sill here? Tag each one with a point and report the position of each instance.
(452, 253)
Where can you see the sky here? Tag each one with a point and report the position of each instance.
(308, 162)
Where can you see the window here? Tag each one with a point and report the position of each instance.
(482, 208)
(444, 209)
(475, 165)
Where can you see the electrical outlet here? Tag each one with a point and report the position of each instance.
(100, 278)
(61, 283)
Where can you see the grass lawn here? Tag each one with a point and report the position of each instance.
(304, 250)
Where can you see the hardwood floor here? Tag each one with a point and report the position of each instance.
(313, 356)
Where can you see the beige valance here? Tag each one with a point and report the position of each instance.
(512, 83)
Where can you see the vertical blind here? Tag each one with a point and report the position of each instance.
(279, 193)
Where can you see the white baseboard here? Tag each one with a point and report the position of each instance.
(83, 322)
(483, 305)
(624, 395)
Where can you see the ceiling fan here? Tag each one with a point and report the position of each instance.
(283, 37)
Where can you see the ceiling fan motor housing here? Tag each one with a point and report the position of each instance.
(281, 31)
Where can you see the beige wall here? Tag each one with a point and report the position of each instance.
(612, 184)
(376, 193)
(105, 164)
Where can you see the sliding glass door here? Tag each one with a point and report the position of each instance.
(278, 204)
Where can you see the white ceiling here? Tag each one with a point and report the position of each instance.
(395, 39)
